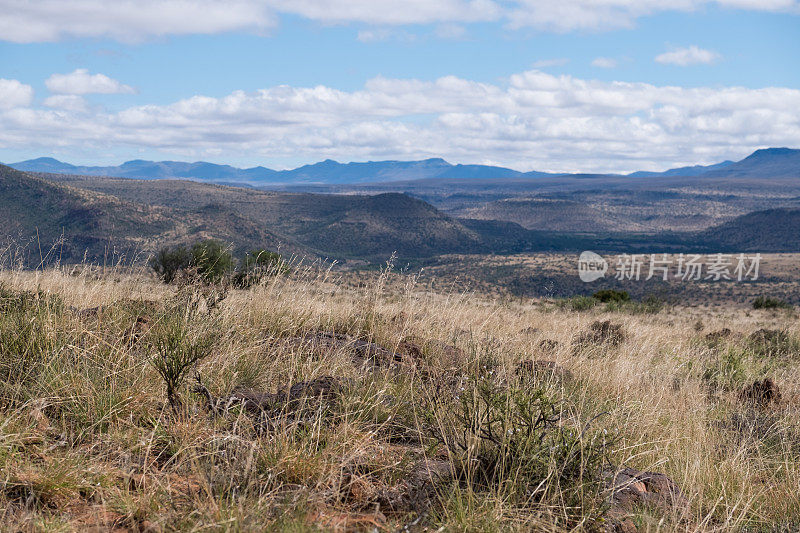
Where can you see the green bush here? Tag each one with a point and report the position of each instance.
(208, 261)
(765, 302)
(578, 303)
(611, 295)
(211, 261)
(649, 306)
(257, 265)
(167, 263)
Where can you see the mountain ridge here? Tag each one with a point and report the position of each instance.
(767, 162)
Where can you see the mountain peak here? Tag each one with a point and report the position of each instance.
(773, 152)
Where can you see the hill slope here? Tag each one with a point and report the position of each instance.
(32, 208)
(340, 226)
(771, 230)
(95, 224)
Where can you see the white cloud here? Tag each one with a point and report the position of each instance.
(81, 82)
(391, 12)
(134, 20)
(687, 56)
(128, 20)
(67, 102)
(14, 94)
(545, 63)
(532, 121)
(604, 62)
(569, 15)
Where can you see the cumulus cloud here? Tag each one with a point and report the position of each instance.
(534, 120)
(14, 94)
(68, 102)
(81, 82)
(684, 57)
(604, 62)
(134, 20)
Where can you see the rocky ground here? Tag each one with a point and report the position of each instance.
(308, 403)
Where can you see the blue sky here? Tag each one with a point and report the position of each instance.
(567, 86)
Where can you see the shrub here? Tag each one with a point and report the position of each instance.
(257, 265)
(207, 261)
(611, 295)
(765, 302)
(649, 306)
(175, 347)
(168, 262)
(516, 442)
(211, 261)
(578, 303)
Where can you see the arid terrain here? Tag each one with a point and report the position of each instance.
(555, 275)
(394, 403)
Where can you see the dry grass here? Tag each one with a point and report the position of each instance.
(87, 440)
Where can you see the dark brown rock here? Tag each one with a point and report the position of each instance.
(719, 335)
(602, 332)
(761, 393)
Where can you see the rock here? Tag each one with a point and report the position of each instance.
(772, 341)
(416, 348)
(363, 352)
(630, 489)
(418, 490)
(325, 388)
(761, 393)
(542, 370)
(719, 335)
(603, 332)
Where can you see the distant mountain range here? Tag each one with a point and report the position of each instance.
(766, 163)
(325, 172)
(100, 218)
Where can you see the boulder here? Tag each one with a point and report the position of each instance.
(603, 332)
(363, 353)
(325, 389)
(761, 393)
(630, 489)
